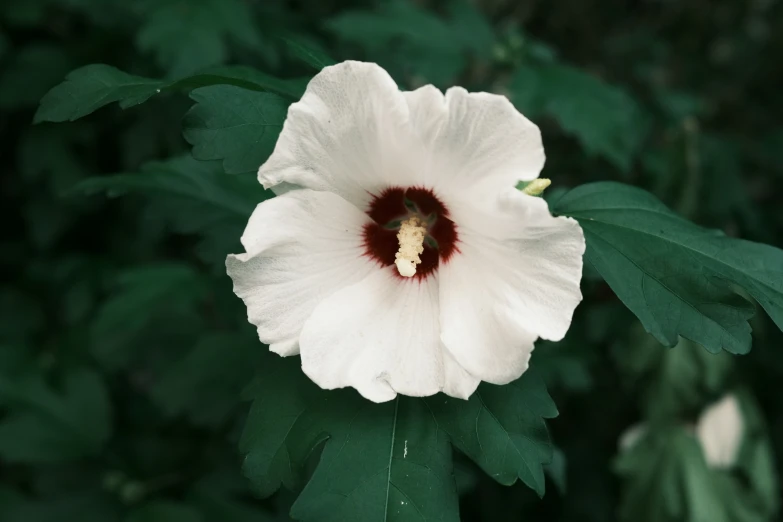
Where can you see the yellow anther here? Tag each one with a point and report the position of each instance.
(411, 240)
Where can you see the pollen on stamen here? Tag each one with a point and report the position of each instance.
(411, 240)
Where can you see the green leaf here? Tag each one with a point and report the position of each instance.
(206, 384)
(557, 470)
(386, 462)
(245, 77)
(308, 53)
(389, 461)
(679, 279)
(53, 425)
(756, 462)
(604, 118)
(183, 177)
(91, 87)
(397, 19)
(410, 40)
(666, 478)
(189, 36)
(502, 429)
(676, 382)
(237, 126)
(192, 197)
(381, 462)
(141, 293)
(471, 27)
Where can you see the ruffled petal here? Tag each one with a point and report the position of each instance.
(349, 134)
(381, 337)
(476, 144)
(515, 278)
(301, 247)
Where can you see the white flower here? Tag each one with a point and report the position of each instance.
(720, 430)
(398, 257)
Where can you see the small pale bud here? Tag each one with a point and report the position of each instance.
(536, 187)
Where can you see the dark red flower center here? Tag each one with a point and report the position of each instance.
(394, 205)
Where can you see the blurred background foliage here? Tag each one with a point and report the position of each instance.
(124, 354)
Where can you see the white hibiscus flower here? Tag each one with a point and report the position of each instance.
(398, 256)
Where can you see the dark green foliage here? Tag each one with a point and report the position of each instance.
(683, 487)
(676, 277)
(604, 118)
(204, 384)
(391, 461)
(91, 87)
(125, 357)
(677, 382)
(46, 424)
(188, 36)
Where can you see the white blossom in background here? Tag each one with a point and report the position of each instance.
(720, 430)
(398, 257)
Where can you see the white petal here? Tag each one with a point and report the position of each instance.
(381, 337)
(457, 381)
(349, 134)
(477, 332)
(476, 143)
(720, 430)
(301, 247)
(515, 278)
(428, 112)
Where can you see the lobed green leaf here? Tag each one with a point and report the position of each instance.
(91, 87)
(678, 278)
(234, 125)
(389, 461)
